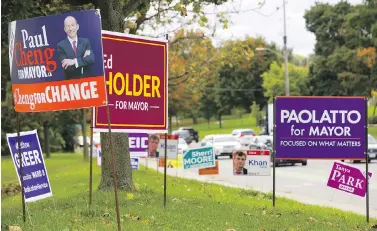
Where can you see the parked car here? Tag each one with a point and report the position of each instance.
(261, 142)
(184, 134)
(223, 145)
(182, 146)
(194, 134)
(243, 132)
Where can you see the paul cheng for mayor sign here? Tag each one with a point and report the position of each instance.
(320, 127)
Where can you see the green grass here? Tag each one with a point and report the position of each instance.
(191, 205)
(229, 123)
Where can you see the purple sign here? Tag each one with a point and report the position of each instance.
(320, 128)
(35, 179)
(348, 179)
(138, 143)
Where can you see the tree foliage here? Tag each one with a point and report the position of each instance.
(345, 59)
(274, 80)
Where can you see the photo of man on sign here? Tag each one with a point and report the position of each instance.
(153, 142)
(75, 52)
(239, 160)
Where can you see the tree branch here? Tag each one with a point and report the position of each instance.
(132, 5)
(179, 76)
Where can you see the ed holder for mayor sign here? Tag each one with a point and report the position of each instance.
(35, 178)
(320, 127)
(136, 79)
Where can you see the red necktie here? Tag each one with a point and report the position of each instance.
(74, 48)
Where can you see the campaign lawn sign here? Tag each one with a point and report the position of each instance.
(135, 163)
(320, 127)
(136, 79)
(49, 71)
(172, 146)
(99, 154)
(138, 143)
(258, 162)
(348, 179)
(199, 158)
(35, 179)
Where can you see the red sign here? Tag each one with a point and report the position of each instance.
(136, 80)
(258, 152)
(169, 137)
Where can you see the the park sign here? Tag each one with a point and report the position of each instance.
(320, 127)
(199, 158)
(348, 179)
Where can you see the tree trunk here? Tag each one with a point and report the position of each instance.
(112, 17)
(194, 120)
(46, 132)
(209, 122)
(84, 138)
(122, 162)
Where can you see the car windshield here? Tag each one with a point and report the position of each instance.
(224, 139)
(247, 133)
(371, 140)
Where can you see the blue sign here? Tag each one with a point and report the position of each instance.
(35, 178)
(135, 163)
(199, 158)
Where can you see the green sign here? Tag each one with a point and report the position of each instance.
(199, 158)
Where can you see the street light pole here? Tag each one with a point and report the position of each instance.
(285, 54)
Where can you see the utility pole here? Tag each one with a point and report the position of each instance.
(285, 54)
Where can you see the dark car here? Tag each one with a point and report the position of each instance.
(194, 134)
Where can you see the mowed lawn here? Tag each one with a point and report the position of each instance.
(191, 205)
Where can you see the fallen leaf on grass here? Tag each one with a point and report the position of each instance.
(176, 200)
(221, 190)
(312, 219)
(230, 230)
(374, 226)
(14, 228)
(144, 222)
(247, 214)
(130, 196)
(264, 212)
(106, 215)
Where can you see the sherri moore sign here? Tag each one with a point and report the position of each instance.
(320, 127)
(136, 80)
(56, 62)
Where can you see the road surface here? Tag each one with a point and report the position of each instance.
(307, 184)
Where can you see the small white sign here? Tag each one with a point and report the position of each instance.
(251, 162)
(172, 146)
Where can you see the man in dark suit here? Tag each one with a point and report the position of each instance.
(239, 160)
(75, 53)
